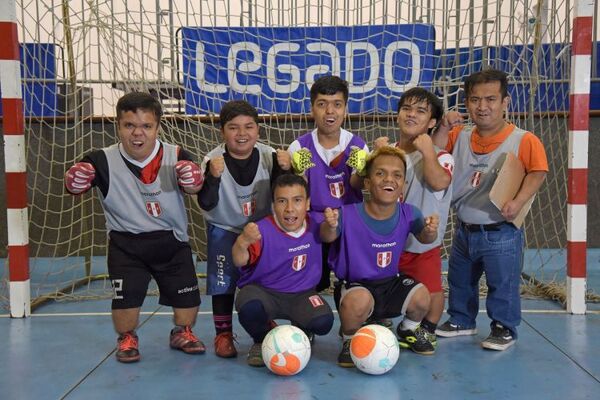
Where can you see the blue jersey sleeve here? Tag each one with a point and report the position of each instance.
(418, 221)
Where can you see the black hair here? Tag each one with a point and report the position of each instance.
(328, 85)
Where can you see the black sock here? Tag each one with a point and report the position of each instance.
(222, 306)
(428, 325)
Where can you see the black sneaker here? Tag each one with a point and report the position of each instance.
(448, 329)
(255, 358)
(500, 338)
(385, 322)
(416, 341)
(345, 359)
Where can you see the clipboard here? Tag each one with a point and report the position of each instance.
(507, 185)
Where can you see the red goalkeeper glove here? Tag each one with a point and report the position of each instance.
(189, 175)
(79, 177)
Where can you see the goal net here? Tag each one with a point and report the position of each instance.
(78, 58)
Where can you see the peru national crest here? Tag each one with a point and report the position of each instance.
(384, 258)
(153, 208)
(248, 208)
(336, 189)
(299, 262)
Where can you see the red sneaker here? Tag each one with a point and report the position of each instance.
(184, 339)
(224, 346)
(127, 348)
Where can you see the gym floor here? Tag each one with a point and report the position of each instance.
(65, 350)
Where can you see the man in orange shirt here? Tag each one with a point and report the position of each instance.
(485, 240)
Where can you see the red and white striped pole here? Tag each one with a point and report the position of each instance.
(15, 161)
(579, 122)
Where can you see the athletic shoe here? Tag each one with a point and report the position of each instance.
(345, 359)
(127, 348)
(385, 322)
(415, 340)
(431, 337)
(500, 338)
(182, 338)
(224, 346)
(255, 358)
(448, 329)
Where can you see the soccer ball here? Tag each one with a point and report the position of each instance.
(374, 349)
(286, 350)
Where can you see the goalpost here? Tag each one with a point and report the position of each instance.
(78, 58)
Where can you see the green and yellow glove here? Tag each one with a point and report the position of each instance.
(358, 160)
(301, 161)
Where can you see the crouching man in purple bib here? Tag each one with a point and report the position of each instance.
(368, 239)
(280, 263)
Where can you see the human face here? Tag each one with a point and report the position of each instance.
(414, 118)
(138, 132)
(385, 182)
(486, 107)
(290, 206)
(240, 135)
(329, 112)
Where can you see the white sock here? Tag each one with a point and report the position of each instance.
(408, 324)
(347, 337)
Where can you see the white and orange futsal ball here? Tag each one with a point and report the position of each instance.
(286, 350)
(374, 349)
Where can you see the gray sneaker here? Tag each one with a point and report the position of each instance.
(448, 329)
(255, 358)
(499, 339)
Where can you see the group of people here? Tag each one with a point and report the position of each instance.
(278, 221)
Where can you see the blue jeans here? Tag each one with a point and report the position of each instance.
(499, 254)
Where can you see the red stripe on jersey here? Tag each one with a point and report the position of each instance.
(149, 173)
(9, 45)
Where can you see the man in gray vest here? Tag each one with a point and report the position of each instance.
(485, 240)
(141, 182)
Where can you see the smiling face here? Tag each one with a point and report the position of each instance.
(385, 181)
(414, 118)
(329, 112)
(138, 131)
(240, 135)
(486, 107)
(290, 205)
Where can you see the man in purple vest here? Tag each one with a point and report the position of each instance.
(280, 264)
(367, 241)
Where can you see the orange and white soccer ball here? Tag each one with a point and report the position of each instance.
(374, 349)
(286, 350)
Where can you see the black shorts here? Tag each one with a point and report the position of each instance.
(299, 308)
(391, 295)
(133, 259)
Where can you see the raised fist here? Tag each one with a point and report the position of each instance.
(217, 166)
(302, 160)
(189, 175)
(79, 177)
(380, 142)
(284, 159)
(331, 217)
(357, 160)
(251, 233)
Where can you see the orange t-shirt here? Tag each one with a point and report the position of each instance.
(531, 149)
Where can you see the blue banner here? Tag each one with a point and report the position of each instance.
(274, 68)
